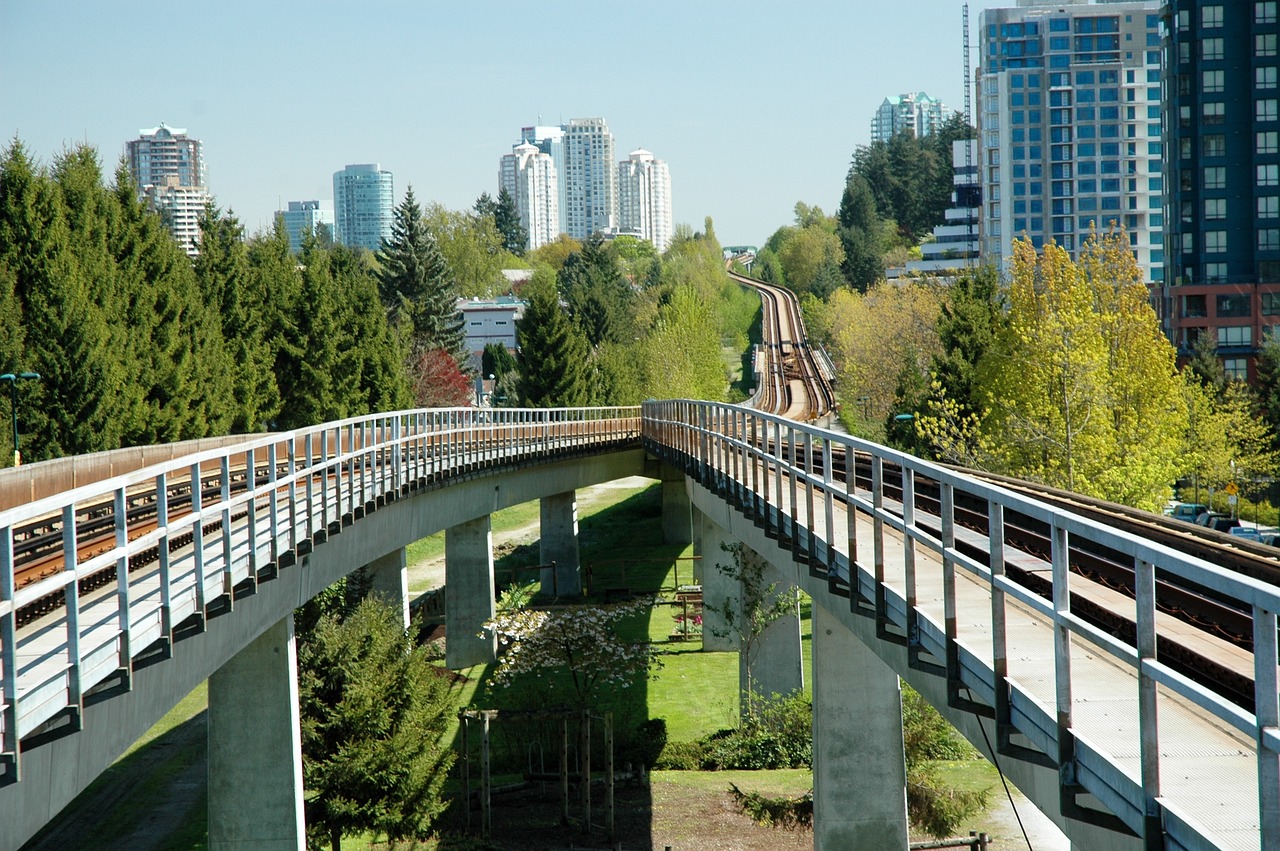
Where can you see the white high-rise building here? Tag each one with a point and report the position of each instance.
(644, 198)
(914, 111)
(530, 178)
(550, 140)
(168, 168)
(590, 177)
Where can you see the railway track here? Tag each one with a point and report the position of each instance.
(790, 381)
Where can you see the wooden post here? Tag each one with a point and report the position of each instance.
(486, 817)
(466, 769)
(608, 775)
(564, 771)
(584, 768)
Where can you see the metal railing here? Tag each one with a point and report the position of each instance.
(785, 475)
(181, 535)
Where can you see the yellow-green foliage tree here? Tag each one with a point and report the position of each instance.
(682, 360)
(1082, 389)
(1222, 431)
(875, 337)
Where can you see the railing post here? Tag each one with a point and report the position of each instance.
(811, 521)
(251, 512)
(1148, 711)
(999, 632)
(1267, 713)
(828, 507)
(793, 488)
(1060, 542)
(909, 559)
(293, 493)
(779, 527)
(70, 561)
(11, 743)
(877, 538)
(224, 491)
(309, 495)
(197, 542)
(124, 611)
(162, 554)
(851, 521)
(950, 614)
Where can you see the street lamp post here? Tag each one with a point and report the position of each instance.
(13, 406)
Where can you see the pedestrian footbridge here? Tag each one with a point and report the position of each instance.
(159, 568)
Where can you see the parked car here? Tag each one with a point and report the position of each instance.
(1247, 532)
(1218, 522)
(1271, 539)
(1188, 511)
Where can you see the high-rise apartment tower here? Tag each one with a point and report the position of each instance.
(914, 111)
(644, 198)
(168, 167)
(530, 178)
(363, 205)
(1069, 124)
(305, 218)
(1222, 176)
(590, 177)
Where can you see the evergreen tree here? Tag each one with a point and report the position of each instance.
(972, 315)
(372, 361)
(859, 224)
(507, 219)
(553, 354)
(239, 294)
(601, 301)
(496, 360)
(374, 713)
(417, 287)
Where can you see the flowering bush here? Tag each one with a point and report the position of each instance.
(582, 640)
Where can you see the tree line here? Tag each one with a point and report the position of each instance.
(138, 344)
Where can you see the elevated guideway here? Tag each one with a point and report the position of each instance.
(1118, 749)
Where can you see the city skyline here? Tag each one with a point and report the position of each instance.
(438, 104)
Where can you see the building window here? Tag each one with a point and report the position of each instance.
(1269, 271)
(1215, 273)
(1264, 44)
(1194, 305)
(1188, 243)
(1235, 335)
(1266, 109)
(1265, 77)
(1211, 49)
(1214, 112)
(1210, 16)
(1269, 239)
(1211, 82)
(1215, 241)
(1215, 177)
(1270, 304)
(1234, 305)
(1268, 207)
(1267, 142)
(1214, 145)
(1264, 12)
(1268, 174)
(1215, 208)
(1237, 369)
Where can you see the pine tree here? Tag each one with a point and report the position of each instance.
(859, 225)
(601, 301)
(507, 219)
(238, 294)
(417, 286)
(1206, 367)
(374, 714)
(553, 354)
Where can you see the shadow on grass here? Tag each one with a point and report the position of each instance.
(622, 554)
(153, 798)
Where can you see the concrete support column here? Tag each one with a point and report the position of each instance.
(388, 578)
(859, 770)
(559, 515)
(777, 657)
(677, 509)
(717, 588)
(255, 747)
(468, 594)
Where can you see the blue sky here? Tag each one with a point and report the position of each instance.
(754, 105)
